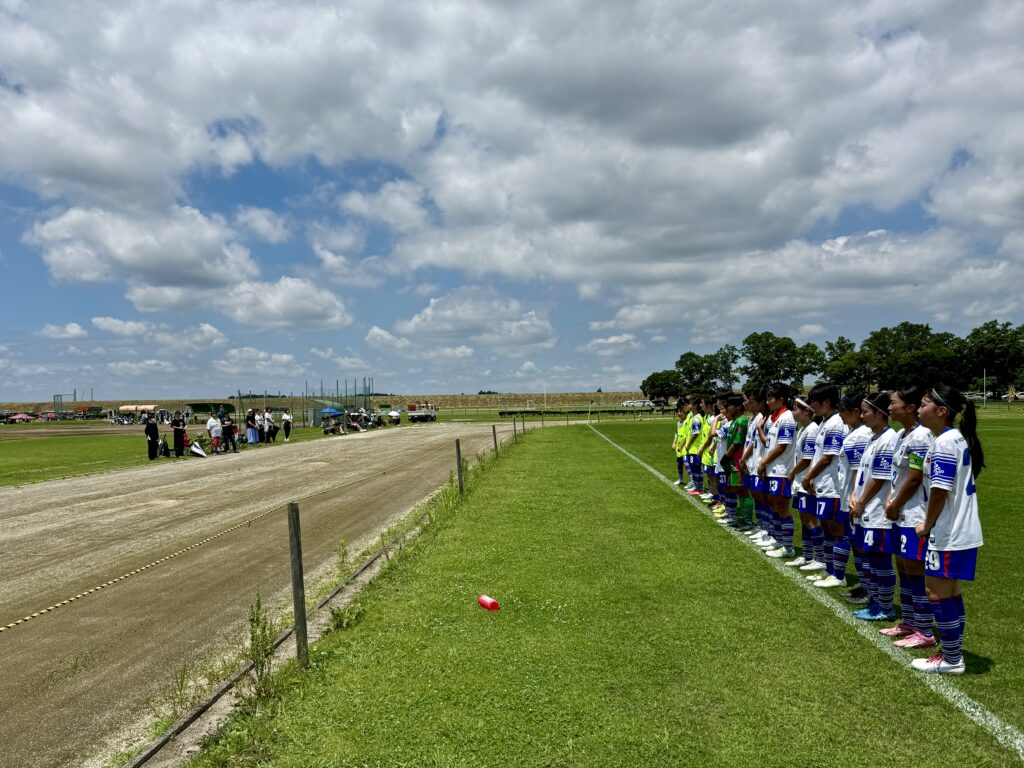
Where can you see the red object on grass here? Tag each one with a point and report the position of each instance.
(488, 602)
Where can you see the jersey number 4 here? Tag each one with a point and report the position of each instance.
(869, 538)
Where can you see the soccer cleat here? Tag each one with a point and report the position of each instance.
(916, 640)
(937, 665)
(689, 487)
(815, 576)
(900, 630)
(757, 533)
(830, 581)
(767, 543)
(780, 552)
(812, 565)
(694, 492)
(800, 561)
(859, 599)
(678, 482)
(873, 613)
(857, 591)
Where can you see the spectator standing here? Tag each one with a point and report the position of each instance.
(227, 425)
(152, 436)
(178, 425)
(252, 434)
(215, 431)
(269, 426)
(286, 423)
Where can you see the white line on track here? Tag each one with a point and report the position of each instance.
(1005, 734)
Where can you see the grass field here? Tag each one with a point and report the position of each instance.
(34, 459)
(633, 631)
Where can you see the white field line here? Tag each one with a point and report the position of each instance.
(1006, 734)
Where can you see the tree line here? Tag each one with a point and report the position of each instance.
(889, 358)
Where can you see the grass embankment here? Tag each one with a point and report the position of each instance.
(48, 457)
(633, 631)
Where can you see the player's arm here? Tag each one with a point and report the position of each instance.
(936, 502)
(767, 461)
(915, 476)
(873, 486)
(799, 467)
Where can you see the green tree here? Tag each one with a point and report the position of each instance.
(998, 350)
(722, 366)
(694, 372)
(911, 353)
(778, 358)
(662, 385)
(845, 366)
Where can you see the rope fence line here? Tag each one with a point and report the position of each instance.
(208, 539)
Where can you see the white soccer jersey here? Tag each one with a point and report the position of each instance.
(829, 442)
(876, 464)
(722, 444)
(781, 431)
(805, 450)
(854, 445)
(910, 453)
(754, 441)
(948, 466)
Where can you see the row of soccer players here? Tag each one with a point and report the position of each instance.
(905, 494)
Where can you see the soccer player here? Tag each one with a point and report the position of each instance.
(775, 464)
(907, 506)
(697, 422)
(804, 453)
(728, 501)
(854, 445)
(680, 438)
(951, 526)
(874, 483)
(735, 443)
(752, 453)
(822, 480)
(707, 448)
(839, 528)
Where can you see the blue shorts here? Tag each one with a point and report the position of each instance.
(756, 483)
(803, 502)
(722, 478)
(828, 508)
(955, 564)
(708, 470)
(880, 541)
(780, 486)
(912, 546)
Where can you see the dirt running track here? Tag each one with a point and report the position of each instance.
(72, 678)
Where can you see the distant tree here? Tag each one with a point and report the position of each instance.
(911, 353)
(845, 366)
(722, 366)
(778, 358)
(998, 350)
(661, 385)
(695, 372)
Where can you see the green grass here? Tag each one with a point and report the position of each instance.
(633, 631)
(35, 459)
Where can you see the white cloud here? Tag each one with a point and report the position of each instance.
(612, 345)
(454, 353)
(483, 317)
(178, 248)
(342, 361)
(121, 327)
(381, 339)
(188, 341)
(258, 361)
(140, 367)
(263, 223)
(397, 203)
(69, 331)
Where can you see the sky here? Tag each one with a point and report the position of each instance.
(197, 197)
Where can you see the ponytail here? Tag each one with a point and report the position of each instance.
(956, 403)
(969, 429)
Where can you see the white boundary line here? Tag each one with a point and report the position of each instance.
(1005, 734)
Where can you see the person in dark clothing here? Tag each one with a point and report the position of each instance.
(178, 425)
(227, 425)
(152, 437)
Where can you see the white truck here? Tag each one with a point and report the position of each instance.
(421, 412)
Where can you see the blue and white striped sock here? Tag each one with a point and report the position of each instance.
(884, 578)
(922, 608)
(951, 631)
(840, 556)
(787, 527)
(906, 599)
(818, 544)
